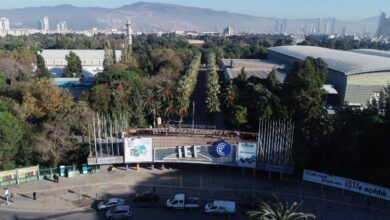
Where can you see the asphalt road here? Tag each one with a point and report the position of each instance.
(142, 213)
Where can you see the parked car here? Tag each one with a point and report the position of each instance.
(119, 212)
(106, 204)
(182, 201)
(146, 196)
(220, 208)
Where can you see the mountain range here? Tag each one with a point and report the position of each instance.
(150, 17)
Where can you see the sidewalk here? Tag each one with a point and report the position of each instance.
(76, 193)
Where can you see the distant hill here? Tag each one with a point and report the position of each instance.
(148, 17)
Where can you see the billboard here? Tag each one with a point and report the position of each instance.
(247, 155)
(203, 154)
(138, 150)
(347, 184)
(28, 172)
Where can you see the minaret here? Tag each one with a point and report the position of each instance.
(129, 32)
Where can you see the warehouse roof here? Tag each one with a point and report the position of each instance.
(343, 61)
(83, 54)
(381, 53)
(253, 67)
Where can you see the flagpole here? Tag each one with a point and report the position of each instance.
(193, 114)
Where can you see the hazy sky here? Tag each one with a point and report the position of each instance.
(341, 9)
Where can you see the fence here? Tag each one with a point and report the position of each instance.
(36, 173)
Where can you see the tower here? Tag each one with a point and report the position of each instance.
(45, 24)
(384, 26)
(129, 32)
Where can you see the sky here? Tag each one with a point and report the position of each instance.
(341, 9)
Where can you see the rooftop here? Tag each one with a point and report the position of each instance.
(381, 53)
(346, 62)
(83, 54)
(253, 67)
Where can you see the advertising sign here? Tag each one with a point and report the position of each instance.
(138, 150)
(204, 154)
(28, 172)
(347, 184)
(222, 148)
(247, 155)
(7, 175)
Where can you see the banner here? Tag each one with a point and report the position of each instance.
(28, 172)
(7, 175)
(347, 184)
(247, 155)
(138, 150)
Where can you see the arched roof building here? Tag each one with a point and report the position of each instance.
(357, 77)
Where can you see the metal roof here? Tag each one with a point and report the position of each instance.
(261, 74)
(381, 53)
(343, 61)
(83, 54)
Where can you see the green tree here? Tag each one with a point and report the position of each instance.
(230, 95)
(213, 87)
(239, 115)
(108, 56)
(73, 67)
(11, 133)
(276, 210)
(42, 71)
(303, 93)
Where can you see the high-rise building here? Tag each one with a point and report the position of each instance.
(129, 32)
(332, 27)
(319, 26)
(61, 26)
(384, 26)
(344, 31)
(45, 24)
(4, 24)
(228, 31)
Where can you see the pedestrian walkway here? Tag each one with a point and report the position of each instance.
(207, 182)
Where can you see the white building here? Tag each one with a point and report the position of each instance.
(4, 24)
(62, 27)
(227, 32)
(45, 24)
(91, 61)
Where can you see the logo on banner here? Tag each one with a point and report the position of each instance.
(222, 148)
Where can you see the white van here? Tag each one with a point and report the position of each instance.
(220, 208)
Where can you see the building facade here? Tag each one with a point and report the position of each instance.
(45, 26)
(91, 61)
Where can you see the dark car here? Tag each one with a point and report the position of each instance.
(146, 197)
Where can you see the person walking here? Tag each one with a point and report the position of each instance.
(6, 193)
(35, 195)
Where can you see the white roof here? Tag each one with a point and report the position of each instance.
(329, 89)
(381, 53)
(343, 61)
(83, 54)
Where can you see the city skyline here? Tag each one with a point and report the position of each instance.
(278, 8)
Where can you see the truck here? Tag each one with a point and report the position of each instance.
(220, 207)
(182, 201)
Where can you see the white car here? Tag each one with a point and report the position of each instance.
(119, 212)
(106, 204)
(220, 208)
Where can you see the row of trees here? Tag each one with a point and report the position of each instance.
(212, 86)
(186, 86)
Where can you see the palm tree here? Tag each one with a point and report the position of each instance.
(230, 95)
(151, 104)
(277, 210)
